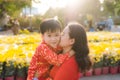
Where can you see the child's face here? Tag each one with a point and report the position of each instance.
(52, 38)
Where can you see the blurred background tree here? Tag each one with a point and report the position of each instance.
(72, 11)
(112, 7)
(12, 8)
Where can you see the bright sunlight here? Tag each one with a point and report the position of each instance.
(44, 5)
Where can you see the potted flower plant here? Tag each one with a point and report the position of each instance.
(21, 70)
(105, 69)
(1, 70)
(2, 66)
(89, 73)
(113, 63)
(118, 62)
(9, 69)
(119, 67)
(97, 66)
(80, 74)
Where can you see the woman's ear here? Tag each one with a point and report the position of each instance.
(72, 41)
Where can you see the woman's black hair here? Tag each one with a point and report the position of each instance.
(50, 25)
(77, 32)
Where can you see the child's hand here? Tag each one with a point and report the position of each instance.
(36, 74)
(35, 78)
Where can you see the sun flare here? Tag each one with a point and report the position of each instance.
(44, 5)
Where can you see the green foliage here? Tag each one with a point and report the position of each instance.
(112, 6)
(1, 69)
(105, 60)
(109, 6)
(113, 62)
(116, 20)
(35, 22)
(21, 70)
(11, 7)
(24, 22)
(9, 68)
(98, 64)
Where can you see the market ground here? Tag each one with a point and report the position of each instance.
(103, 77)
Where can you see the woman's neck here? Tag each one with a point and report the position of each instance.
(67, 49)
(71, 52)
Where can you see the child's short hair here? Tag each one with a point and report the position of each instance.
(50, 25)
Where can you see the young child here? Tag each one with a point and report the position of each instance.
(45, 54)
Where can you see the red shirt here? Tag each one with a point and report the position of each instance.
(42, 59)
(67, 71)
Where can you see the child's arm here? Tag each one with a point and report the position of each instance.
(51, 56)
(49, 78)
(33, 65)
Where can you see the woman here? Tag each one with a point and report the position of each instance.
(74, 41)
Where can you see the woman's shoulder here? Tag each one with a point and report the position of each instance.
(68, 70)
(69, 65)
(70, 62)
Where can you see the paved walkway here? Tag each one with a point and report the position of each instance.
(8, 32)
(103, 77)
(116, 29)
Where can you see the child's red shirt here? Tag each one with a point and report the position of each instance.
(44, 57)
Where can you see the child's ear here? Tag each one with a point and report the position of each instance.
(72, 41)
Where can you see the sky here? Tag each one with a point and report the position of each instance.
(44, 5)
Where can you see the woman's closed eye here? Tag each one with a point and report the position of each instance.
(49, 35)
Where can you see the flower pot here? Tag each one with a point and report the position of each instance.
(80, 75)
(105, 70)
(20, 78)
(97, 71)
(114, 70)
(9, 78)
(119, 69)
(89, 73)
(1, 79)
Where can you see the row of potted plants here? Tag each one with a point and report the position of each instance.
(101, 71)
(96, 49)
(20, 39)
(12, 70)
(35, 37)
(102, 36)
(104, 64)
(104, 51)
